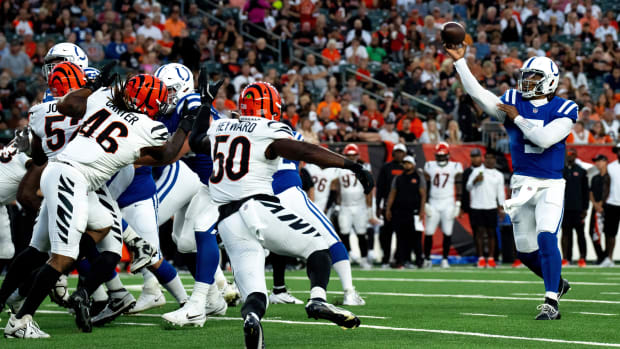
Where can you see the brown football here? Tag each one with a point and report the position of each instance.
(452, 33)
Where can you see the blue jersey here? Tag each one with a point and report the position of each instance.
(201, 164)
(142, 187)
(527, 158)
(287, 175)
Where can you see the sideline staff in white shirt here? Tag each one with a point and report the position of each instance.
(612, 209)
(486, 191)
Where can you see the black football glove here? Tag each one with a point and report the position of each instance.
(187, 118)
(23, 140)
(364, 176)
(106, 77)
(207, 91)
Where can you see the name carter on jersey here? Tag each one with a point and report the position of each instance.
(127, 116)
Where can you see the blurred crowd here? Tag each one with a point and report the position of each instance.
(349, 70)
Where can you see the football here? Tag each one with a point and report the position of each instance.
(452, 33)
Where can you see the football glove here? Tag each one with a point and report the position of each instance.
(105, 79)
(207, 91)
(23, 140)
(364, 176)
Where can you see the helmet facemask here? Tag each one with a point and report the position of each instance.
(531, 82)
(51, 63)
(442, 159)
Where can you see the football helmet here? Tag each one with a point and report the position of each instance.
(549, 75)
(442, 153)
(179, 80)
(64, 51)
(261, 99)
(65, 77)
(351, 149)
(146, 94)
(91, 73)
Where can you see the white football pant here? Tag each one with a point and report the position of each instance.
(440, 211)
(353, 219)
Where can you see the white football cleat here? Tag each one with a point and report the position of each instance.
(23, 328)
(231, 294)
(351, 297)
(445, 264)
(284, 298)
(216, 304)
(149, 298)
(428, 264)
(191, 314)
(365, 265)
(15, 301)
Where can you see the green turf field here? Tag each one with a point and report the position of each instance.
(458, 308)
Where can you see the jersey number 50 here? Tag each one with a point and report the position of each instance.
(223, 164)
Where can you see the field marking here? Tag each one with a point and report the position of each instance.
(589, 313)
(527, 294)
(480, 314)
(136, 323)
(373, 317)
(611, 293)
(464, 281)
(386, 328)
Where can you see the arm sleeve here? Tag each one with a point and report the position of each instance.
(470, 180)
(501, 193)
(547, 135)
(485, 99)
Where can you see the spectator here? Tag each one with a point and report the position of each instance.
(314, 76)
(376, 53)
(605, 29)
(577, 77)
(365, 132)
(116, 47)
(483, 49)
(330, 134)
(453, 134)
(359, 33)
(16, 63)
(405, 206)
(374, 115)
(130, 59)
(387, 173)
(242, 79)
(486, 190)
(174, 25)
(572, 27)
(443, 101)
(431, 134)
(193, 18)
(148, 30)
(490, 22)
(429, 72)
(555, 11)
(576, 202)
(290, 115)
(429, 31)
(467, 117)
(330, 53)
(387, 132)
(579, 135)
(331, 104)
(405, 135)
(362, 16)
(611, 209)
(304, 37)
(22, 24)
(600, 137)
(306, 131)
(257, 11)
(599, 189)
(354, 91)
(592, 21)
(612, 81)
(385, 75)
(610, 124)
(186, 50)
(355, 53)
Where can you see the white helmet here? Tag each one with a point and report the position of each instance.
(544, 67)
(65, 51)
(179, 80)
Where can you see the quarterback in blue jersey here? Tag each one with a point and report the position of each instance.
(537, 123)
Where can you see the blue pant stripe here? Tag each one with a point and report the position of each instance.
(174, 181)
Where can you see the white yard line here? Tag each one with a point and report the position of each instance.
(527, 294)
(136, 323)
(611, 293)
(385, 328)
(372, 317)
(589, 313)
(479, 314)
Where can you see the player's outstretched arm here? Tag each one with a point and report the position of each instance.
(314, 154)
(487, 100)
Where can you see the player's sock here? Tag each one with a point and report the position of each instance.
(278, 263)
(428, 245)
(189, 259)
(318, 267)
(207, 257)
(99, 295)
(345, 241)
(447, 242)
(168, 277)
(25, 286)
(341, 264)
(88, 248)
(101, 270)
(114, 284)
(220, 279)
(21, 268)
(551, 261)
(44, 281)
(363, 245)
(532, 261)
(256, 303)
(199, 293)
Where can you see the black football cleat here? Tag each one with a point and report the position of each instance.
(80, 303)
(548, 311)
(319, 309)
(564, 288)
(253, 332)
